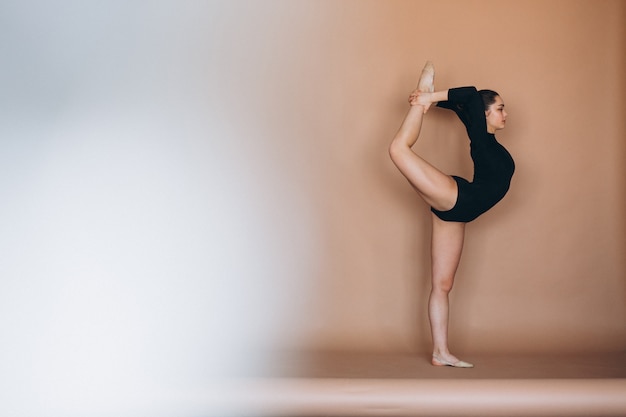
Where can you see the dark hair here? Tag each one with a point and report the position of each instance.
(489, 97)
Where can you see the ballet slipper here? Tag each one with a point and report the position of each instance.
(426, 82)
(437, 361)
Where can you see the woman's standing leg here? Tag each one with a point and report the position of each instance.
(446, 249)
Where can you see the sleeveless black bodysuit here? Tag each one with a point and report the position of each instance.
(493, 165)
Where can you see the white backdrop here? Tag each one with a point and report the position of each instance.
(142, 252)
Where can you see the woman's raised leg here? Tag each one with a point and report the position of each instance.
(436, 188)
(446, 248)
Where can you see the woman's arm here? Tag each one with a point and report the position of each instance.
(437, 96)
(468, 105)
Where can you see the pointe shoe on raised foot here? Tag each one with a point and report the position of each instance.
(427, 78)
(437, 361)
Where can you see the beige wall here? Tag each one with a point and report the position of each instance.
(545, 269)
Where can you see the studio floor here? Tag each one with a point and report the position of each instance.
(410, 366)
(359, 384)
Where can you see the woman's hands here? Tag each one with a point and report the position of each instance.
(421, 98)
(426, 99)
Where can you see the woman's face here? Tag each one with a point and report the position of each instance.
(496, 116)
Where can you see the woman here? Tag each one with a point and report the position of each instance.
(454, 201)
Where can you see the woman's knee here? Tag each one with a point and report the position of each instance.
(402, 156)
(397, 149)
(443, 285)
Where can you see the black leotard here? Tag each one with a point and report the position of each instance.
(493, 165)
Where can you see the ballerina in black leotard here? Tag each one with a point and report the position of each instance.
(454, 201)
